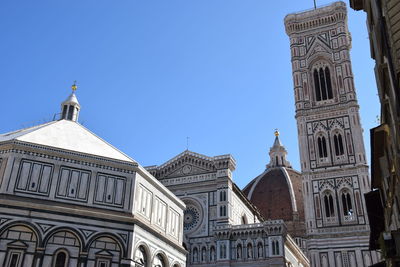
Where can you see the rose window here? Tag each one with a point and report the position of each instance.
(191, 218)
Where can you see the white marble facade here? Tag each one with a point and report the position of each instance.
(333, 161)
(68, 198)
(221, 227)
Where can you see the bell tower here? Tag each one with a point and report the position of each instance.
(333, 162)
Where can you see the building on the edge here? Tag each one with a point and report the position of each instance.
(221, 226)
(383, 25)
(332, 155)
(277, 193)
(68, 198)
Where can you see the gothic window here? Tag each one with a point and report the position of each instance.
(346, 204)
(328, 202)
(323, 84)
(322, 150)
(60, 259)
(338, 142)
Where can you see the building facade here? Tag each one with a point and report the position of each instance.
(221, 226)
(383, 25)
(333, 161)
(68, 198)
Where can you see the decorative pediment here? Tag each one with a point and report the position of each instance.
(17, 244)
(318, 47)
(324, 37)
(190, 163)
(336, 123)
(326, 184)
(319, 126)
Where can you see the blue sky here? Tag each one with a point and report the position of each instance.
(152, 73)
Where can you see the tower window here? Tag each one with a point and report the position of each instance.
(64, 112)
(338, 141)
(322, 151)
(329, 209)
(70, 112)
(346, 203)
(323, 84)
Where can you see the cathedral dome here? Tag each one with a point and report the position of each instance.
(277, 192)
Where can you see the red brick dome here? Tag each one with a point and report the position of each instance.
(277, 192)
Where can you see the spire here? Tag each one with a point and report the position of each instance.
(70, 107)
(278, 154)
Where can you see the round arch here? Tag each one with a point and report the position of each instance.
(31, 226)
(162, 255)
(147, 251)
(71, 230)
(116, 238)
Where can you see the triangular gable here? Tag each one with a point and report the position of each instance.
(191, 163)
(67, 135)
(317, 47)
(17, 244)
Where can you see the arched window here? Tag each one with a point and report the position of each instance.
(60, 259)
(338, 142)
(329, 209)
(346, 204)
(323, 84)
(322, 150)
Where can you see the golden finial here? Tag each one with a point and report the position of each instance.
(276, 133)
(74, 87)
